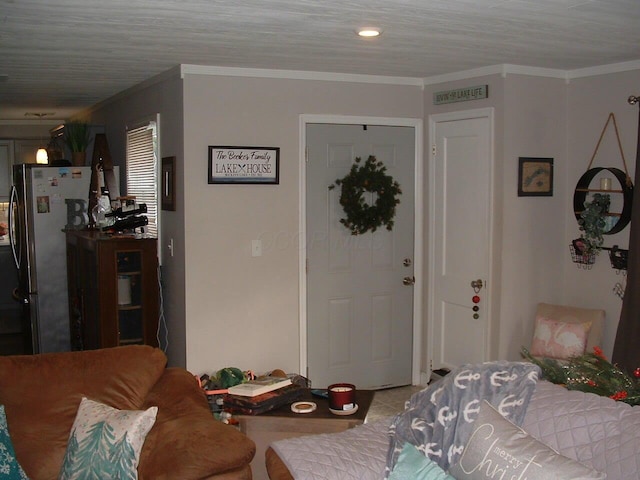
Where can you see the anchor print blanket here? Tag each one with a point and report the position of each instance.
(438, 420)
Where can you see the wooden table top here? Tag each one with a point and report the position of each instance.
(363, 400)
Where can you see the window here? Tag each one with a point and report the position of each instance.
(142, 170)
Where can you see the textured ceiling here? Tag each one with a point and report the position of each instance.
(64, 55)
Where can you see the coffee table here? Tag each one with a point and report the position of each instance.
(282, 423)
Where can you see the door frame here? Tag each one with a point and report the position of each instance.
(488, 112)
(418, 254)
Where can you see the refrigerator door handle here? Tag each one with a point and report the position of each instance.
(19, 298)
(13, 235)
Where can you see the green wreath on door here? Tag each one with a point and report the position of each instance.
(368, 177)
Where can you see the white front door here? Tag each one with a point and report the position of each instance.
(359, 312)
(460, 195)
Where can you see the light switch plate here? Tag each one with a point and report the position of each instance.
(256, 248)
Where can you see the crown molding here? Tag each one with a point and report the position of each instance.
(502, 70)
(509, 69)
(187, 69)
(604, 69)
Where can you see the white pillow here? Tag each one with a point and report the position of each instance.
(106, 442)
(499, 449)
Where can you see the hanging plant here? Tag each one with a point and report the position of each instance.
(593, 223)
(369, 177)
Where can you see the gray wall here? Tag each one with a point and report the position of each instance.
(590, 101)
(225, 307)
(162, 95)
(243, 310)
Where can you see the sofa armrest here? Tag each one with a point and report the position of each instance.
(186, 441)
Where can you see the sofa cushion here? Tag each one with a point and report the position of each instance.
(187, 430)
(10, 469)
(595, 430)
(105, 442)
(499, 448)
(41, 395)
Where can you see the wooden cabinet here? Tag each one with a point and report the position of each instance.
(113, 290)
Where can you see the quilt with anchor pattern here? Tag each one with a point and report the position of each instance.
(439, 419)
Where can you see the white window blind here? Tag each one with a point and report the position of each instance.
(142, 171)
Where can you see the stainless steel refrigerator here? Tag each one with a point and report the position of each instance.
(44, 202)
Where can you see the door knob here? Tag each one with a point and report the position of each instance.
(477, 285)
(409, 280)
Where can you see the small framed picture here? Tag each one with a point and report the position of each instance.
(535, 177)
(251, 165)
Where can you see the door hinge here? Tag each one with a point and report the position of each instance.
(306, 266)
(306, 154)
(431, 365)
(433, 149)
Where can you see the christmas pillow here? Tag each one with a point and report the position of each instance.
(499, 449)
(106, 442)
(561, 340)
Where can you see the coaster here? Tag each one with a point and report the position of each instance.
(303, 407)
(344, 412)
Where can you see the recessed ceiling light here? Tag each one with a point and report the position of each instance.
(369, 32)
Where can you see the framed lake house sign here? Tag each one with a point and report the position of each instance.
(248, 165)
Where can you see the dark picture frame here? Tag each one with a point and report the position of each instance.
(168, 195)
(244, 165)
(535, 177)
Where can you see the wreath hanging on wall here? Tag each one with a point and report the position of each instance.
(369, 177)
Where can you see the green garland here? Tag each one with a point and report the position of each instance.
(370, 177)
(593, 373)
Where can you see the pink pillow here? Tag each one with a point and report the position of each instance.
(561, 340)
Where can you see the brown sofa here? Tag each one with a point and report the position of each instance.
(41, 394)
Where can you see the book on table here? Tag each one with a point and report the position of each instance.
(259, 386)
(264, 402)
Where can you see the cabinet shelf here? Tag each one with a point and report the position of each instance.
(609, 214)
(598, 190)
(129, 307)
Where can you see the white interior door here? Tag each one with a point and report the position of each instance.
(359, 312)
(461, 166)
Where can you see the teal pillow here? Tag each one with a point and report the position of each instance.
(413, 465)
(10, 469)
